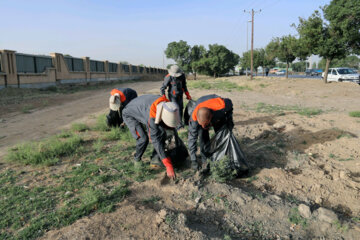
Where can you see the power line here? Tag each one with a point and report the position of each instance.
(252, 40)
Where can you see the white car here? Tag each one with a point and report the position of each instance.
(342, 75)
(280, 72)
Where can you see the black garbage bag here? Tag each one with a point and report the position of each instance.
(223, 144)
(176, 150)
(188, 111)
(113, 119)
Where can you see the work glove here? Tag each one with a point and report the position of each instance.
(169, 168)
(188, 97)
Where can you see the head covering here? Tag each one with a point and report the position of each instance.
(168, 112)
(175, 71)
(204, 116)
(115, 102)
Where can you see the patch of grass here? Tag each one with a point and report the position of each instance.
(27, 108)
(295, 218)
(151, 200)
(79, 127)
(170, 219)
(101, 124)
(98, 146)
(341, 227)
(355, 114)
(263, 85)
(221, 85)
(279, 109)
(122, 134)
(252, 178)
(344, 134)
(45, 152)
(64, 134)
(221, 170)
(308, 112)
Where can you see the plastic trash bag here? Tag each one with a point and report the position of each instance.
(175, 149)
(188, 111)
(113, 119)
(225, 143)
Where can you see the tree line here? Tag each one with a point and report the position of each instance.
(214, 61)
(333, 33)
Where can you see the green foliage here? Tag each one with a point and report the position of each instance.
(299, 66)
(284, 49)
(220, 85)
(45, 152)
(79, 127)
(349, 61)
(355, 114)
(27, 108)
(261, 58)
(344, 18)
(221, 170)
(218, 60)
(98, 145)
(151, 200)
(295, 218)
(117, 133)
(268, 108)
(180, 52)
(101, 124)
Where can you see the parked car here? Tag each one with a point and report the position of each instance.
(273, 71)
(312, 72)
(280, 72)
(342, 75)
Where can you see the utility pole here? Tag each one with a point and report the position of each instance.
(252, 40)
(247, 40)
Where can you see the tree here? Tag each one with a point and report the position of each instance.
(284, 49)
(218, 60)
(180, 53)
(299, 66)
(344, 18)
(313, 66)
(349, 61)
(196, 54)
(322, 39)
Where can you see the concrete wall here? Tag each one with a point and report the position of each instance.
(59, 74)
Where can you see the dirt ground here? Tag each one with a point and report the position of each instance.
(297, 162)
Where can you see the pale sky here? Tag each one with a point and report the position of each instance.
(138, 31)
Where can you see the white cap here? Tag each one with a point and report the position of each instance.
(115, 102)
(168, 112)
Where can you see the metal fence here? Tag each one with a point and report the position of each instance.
(96, 66)
(125, 68)
(134, 69)
(113, 67)
(32, 63)
(74, 64)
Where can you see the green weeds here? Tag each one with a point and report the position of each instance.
(355, 114)
(295, 218)
(45, 152)
(27, 108)
(79, 127)
(221, 170)
(101, 124)
(220, 85)
(278, 109)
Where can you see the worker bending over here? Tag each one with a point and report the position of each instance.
(119, 98)
(157, 114)
(210, 111)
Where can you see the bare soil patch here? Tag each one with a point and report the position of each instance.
(302, 146)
